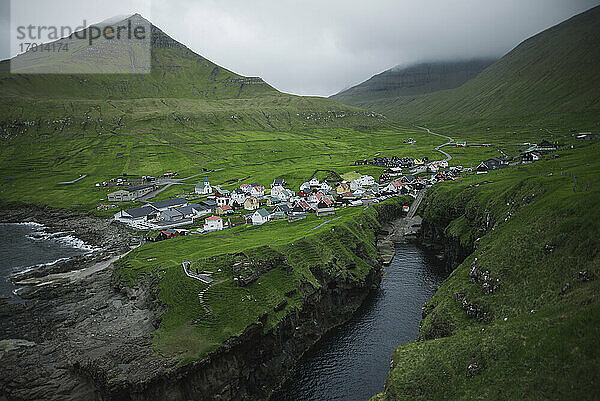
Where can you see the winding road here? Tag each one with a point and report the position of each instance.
(439, 148)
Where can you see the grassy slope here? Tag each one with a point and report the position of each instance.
(189, 329)
(537, 339)
(554, 72)
(411, 81)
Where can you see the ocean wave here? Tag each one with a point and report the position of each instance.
(64, 237)
(25, 269)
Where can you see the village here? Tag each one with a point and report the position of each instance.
(211, 208)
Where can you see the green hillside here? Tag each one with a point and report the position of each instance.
(413, 80)
(520, 317)
(551, 76)
(182, 90)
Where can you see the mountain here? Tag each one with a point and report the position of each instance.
(174, 71)
(554, 73)
(413, 80)
(174, 87)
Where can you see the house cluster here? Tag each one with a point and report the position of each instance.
(532, 154)
(427, 166)
(258, 205)
(394, 161)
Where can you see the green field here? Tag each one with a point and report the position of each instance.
(32, 167)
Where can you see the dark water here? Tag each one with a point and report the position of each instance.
(351, 363)
(27, 245)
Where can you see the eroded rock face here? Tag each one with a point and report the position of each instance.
(92, 339)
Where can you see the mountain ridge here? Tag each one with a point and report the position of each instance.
(414, 79)
(551, 74)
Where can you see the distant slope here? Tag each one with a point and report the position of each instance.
(413, 80)
(553, 73)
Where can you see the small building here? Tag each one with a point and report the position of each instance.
(278, 182)
(173, 203)
(314, 182)
(203, 187)
(495, 163)
(257, 190)
(224, 209)
(251, 203)
(530, 157)
(394, 187)
(209, 205)
(238, 196)
(192, 211)
(281, 211)
(325, 207)
(325, 187)
(273, 200)
(482, 168)
(277, 190)
(261, 216)
(222, 200)
(343, 188)
(408, 178)
(304, 206)
(363, 181)
(296, 213)
(170, 215)
(213, 223)
(130, 194)
(136, 215)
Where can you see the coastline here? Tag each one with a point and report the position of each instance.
(93, 336)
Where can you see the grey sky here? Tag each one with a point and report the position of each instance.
(320, 47)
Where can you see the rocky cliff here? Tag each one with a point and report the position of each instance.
(92, 339)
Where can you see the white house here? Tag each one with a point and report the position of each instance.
(325, 187)
(305, 186)
(238, 196)
(203, 187)
(394, 186)
(433, 168)
(314, 182)
(257, 191)
(223, 200)
(261, 216)
(364, 181)
(277, 190)
(213, 223)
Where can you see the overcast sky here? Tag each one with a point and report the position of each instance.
(319, 47)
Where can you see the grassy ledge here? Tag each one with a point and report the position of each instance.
(280, 257)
